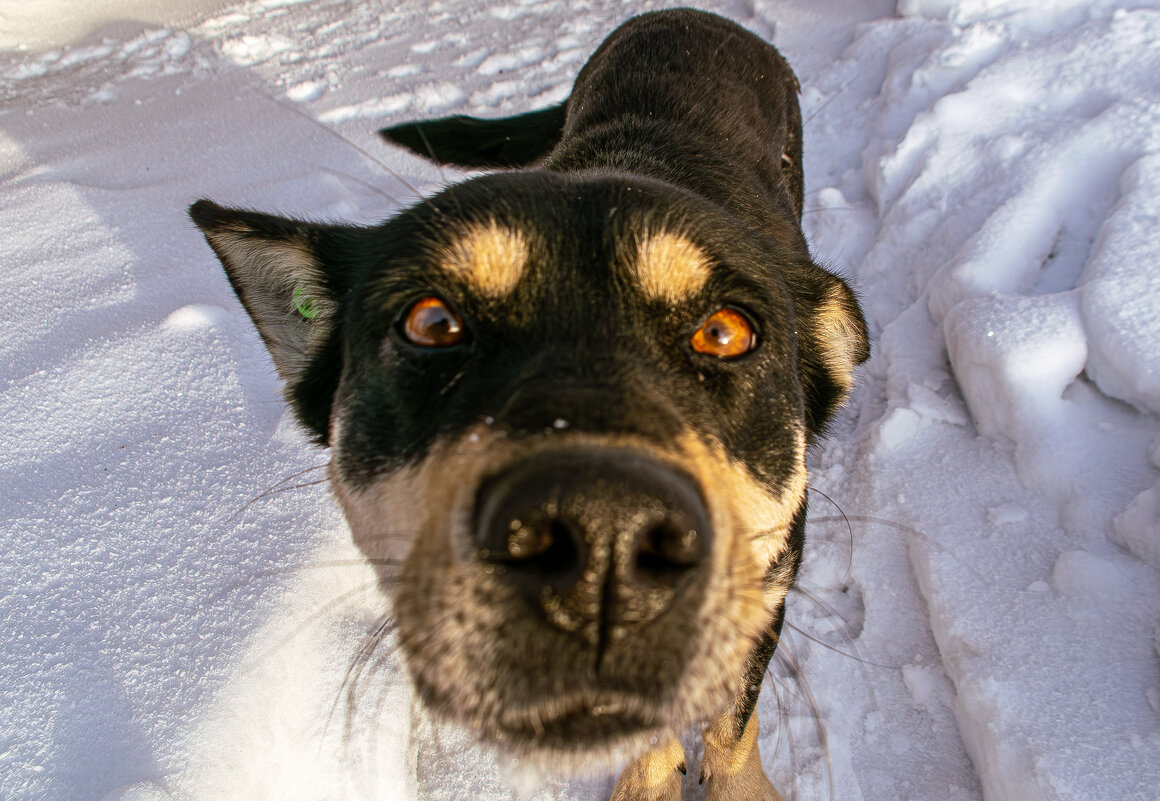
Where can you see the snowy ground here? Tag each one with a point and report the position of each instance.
(175, 626)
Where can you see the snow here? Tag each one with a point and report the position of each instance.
(179, 598)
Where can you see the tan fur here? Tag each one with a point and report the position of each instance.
(490, 257)
(670, 268)
(459, 622)
(655, 776)
(270, 271)
(731, 767)
(763, 524)
(840, 338)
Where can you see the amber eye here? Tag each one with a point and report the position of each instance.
(726, 334)
(432, 324)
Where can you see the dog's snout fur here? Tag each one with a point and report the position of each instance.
(621, 406)
(598, 540)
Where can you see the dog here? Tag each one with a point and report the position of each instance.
(568, 401)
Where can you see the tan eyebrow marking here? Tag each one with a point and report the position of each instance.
(488, 256)
(669, 267)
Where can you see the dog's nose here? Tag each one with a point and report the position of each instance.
(599, 539)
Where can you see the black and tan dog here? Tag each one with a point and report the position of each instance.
(574, 398)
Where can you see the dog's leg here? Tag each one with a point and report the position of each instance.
(731, 767)
(462, 141)
(656, 776)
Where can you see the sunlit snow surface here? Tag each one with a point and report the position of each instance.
(180, 604)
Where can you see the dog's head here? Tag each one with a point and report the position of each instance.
(576, 409)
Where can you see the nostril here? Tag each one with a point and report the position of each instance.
(669, 546)
(533, 542)
(549, 545)
(529, 540)
(562, 556)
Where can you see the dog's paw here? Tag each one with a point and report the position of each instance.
(731, 769)
(656, 776)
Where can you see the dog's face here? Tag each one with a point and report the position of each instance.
(584, 440)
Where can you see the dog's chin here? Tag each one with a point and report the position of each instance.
(582, 731)
(578, 723)
(579, 732)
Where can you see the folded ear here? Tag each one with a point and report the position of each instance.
(832, 342)
(293, 299)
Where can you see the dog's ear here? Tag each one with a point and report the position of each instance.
(832, 342)
(274, 266)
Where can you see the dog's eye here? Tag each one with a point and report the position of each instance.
(727, 334)
(431, 324)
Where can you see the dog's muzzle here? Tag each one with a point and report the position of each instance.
(602, 540)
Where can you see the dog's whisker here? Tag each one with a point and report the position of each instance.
(349, 685)
(389, 536)
(844, 630)
(385, 626)
(758, 534)
(427, 144)
(849, 529)
(277, 487)
(830, 647)
(379, 703)
(377, 658)
(820, 209)
(320, 613)
(359, 149)
(270, 493)
(785, 716)
(364, 664)
(367, 184)
(455, 379)
(787, 656)
(782, 712)
(241, 583)
(369, 654)
(905, 529)
(431, 153)
(841, 89)
(296, 474)
(356, 561)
